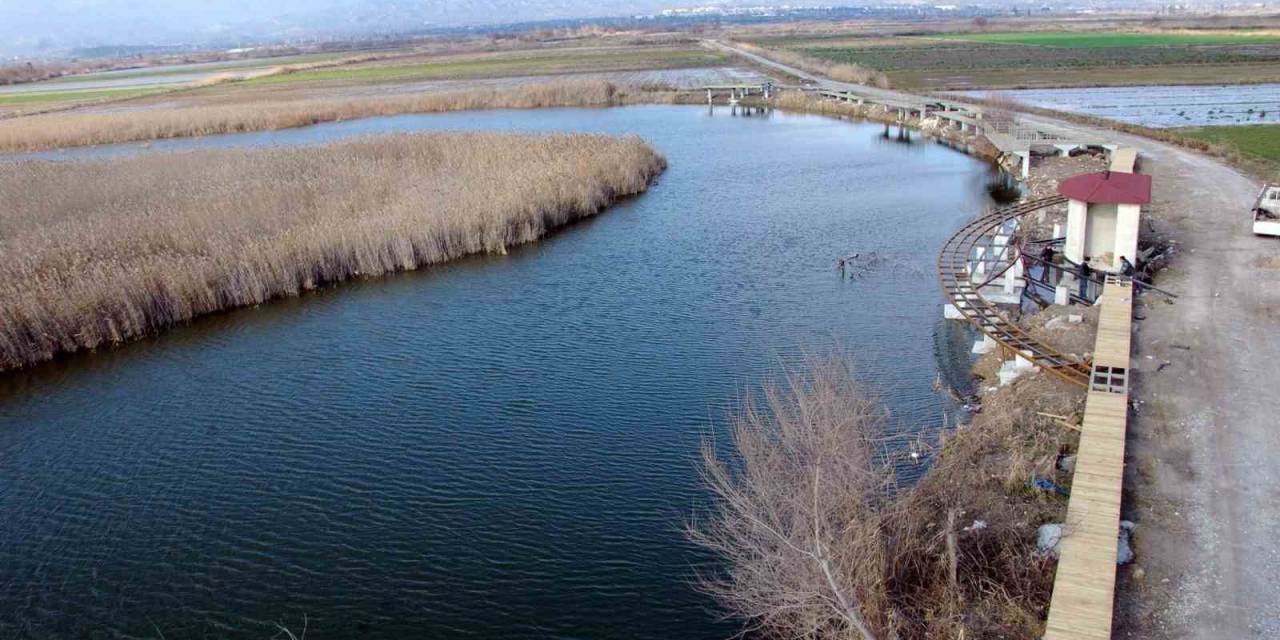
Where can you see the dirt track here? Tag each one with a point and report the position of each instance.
(1203, 460)
(1201, 475)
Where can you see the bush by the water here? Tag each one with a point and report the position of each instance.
(819, 541)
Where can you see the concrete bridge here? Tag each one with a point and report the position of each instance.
(736, 92)
(1014, 137)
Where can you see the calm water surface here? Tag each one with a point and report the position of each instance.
(500, 448)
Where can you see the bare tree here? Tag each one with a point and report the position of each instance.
(801, 510)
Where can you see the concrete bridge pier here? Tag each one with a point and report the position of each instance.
(1065, 149)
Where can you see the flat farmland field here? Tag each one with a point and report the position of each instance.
(1105, 39)
(507, 64)
(1058, 59)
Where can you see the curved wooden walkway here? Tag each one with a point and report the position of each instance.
(954, 271)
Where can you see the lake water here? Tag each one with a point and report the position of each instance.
(1159, 106)
(504, 447)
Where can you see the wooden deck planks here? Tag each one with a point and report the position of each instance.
(1084, 586)
(1124, 160)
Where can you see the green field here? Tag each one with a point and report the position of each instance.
(1059, 58)
(1105, 39)
(1258, 140)
(46, 98)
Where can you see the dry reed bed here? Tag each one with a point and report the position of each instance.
(101, 252)
(69, 129)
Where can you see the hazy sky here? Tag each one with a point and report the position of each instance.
(28, 25)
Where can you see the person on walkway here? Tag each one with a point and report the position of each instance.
(1046, 264)
(1086, 278)
(1126, 267)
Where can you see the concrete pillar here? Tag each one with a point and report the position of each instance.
(1126, 232)
(1073, 248)
(1010, 282)
(1026, 164)
(984, 345)
(1062, 294)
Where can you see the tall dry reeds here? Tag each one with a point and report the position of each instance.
(817, 542)
(69, 129)
(100, 252)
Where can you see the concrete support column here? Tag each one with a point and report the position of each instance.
(1126, 232)
(1062, 294)
(1077, 213)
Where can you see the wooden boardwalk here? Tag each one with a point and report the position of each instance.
(1084, 587)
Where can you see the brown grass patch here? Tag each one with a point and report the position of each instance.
(100, 252)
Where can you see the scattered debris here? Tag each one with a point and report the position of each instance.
(1049, 540)
(1067, 464)
(857, 265)
(1045, 484)
(978, 525)
(1124, 550)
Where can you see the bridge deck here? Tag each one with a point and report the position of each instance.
(1084, 587)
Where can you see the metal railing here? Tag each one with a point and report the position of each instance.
(957, 283)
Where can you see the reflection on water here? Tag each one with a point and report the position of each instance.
(503, 447)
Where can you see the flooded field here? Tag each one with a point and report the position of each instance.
(504, 447)
(1158, 106)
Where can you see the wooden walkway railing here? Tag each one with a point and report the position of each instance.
(1084, 587)
(954, 271)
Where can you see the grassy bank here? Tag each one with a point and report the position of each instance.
(61, 130)
(1260, 142)
(820, 541)
(94, 253)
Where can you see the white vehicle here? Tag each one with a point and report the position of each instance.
(1266, 213)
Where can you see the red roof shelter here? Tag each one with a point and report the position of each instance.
(1108, 187)
(1102, 217)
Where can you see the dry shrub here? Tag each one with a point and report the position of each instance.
(100, 252)
(816, 542)
(59, 130)
(842, 72)
(982, 473)
(800, 511)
